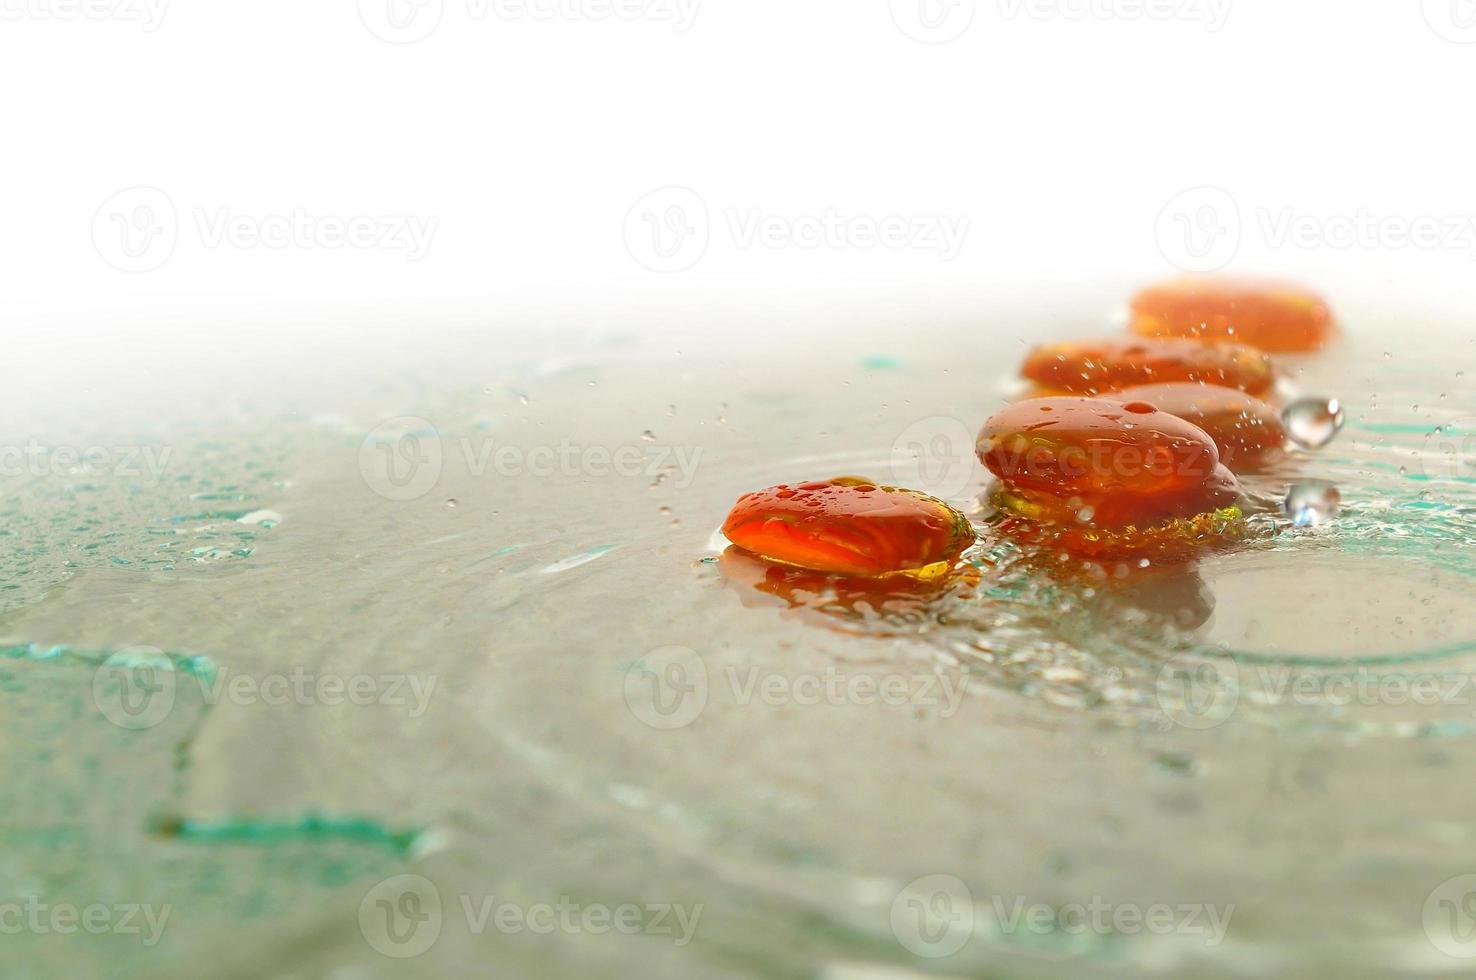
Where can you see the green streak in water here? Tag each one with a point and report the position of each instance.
(498, 553)
(1393, 428)
(313, 826)
(194, 665)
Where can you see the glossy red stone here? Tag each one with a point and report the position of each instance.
(1272, 316)
(1091, 367)
(1245, 429)
(1116, 510)
(1073, 445)
(848, 526)
(1108, 479)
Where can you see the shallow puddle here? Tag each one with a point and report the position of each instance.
(468, 621)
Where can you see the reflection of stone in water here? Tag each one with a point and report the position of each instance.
(875, 606)
(1312, 502)
(1171, 595)
(1146, 598)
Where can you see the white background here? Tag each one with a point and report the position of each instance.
(1059, 131)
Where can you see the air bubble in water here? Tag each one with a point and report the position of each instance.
(1312, 502)
(1312, 422)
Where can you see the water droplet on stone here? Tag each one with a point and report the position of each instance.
(1312, 422)
(1312, 502)
(648, 435)
(452, 502)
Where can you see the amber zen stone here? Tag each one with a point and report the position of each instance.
(848, 526)
(1109, 478)
(1245, 429)
(1272, 316)
(1090, 367)
(1118, 509)
(1075, 445)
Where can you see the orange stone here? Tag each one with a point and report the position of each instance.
(1245, 429)
(1109, 479)
(1091, 367)
(848, 526)
(1272, 316)
(1117, 510)
(1072, 445)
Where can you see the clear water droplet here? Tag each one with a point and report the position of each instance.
(452, 502)
(1312, 502)
(648, 435)
(1313, 422)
